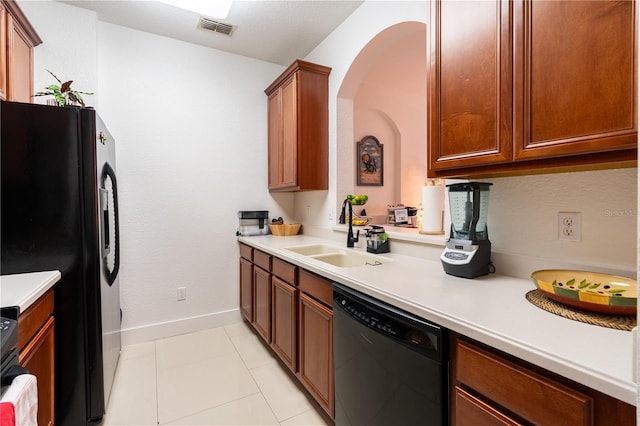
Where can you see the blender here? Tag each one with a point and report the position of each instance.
(468, 251)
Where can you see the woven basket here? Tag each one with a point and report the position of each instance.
(285, 229)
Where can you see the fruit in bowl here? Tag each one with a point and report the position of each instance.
(357, 200)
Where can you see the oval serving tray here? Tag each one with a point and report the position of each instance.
(590, 291)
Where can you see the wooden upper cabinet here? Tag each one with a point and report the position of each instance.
(3, 51)
(298, 103)
(526, 85)
(469, 84)
(577, 88)
(18, 39)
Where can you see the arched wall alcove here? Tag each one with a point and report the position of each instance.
(383, 94)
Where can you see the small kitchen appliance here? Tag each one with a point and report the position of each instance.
(377, 240)
(253, 222)
(468, 250)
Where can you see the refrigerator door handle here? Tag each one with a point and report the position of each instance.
(109, 173)
(104, 203)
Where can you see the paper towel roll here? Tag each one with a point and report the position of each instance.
(432, 209)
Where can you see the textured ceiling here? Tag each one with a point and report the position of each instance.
(275, 31)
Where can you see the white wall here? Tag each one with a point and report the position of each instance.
(69, 48)
(523, 210)
(338, 51)
(191, 126)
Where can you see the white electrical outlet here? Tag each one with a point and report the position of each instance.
(569, 226)
(182, 293)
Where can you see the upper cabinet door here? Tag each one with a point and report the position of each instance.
(289, 134)
(470, 84)
(576, 84)
(17, 40)
(521, 86)
(299, 128)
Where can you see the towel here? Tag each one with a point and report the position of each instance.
(23, 395)
(7, 414)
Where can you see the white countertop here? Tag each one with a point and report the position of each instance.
(24, 289)
(491, 309)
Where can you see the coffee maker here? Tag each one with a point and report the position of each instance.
(468, 251)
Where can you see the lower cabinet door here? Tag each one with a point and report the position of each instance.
(471, 411)
(38, 358)
(262, 306)
(246, 289)
(283, 321)
(316, 351)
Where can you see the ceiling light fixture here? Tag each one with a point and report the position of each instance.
(213, 8)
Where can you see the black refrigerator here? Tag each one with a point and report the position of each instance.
(59, 210)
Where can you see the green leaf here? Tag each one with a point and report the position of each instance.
(617, 290)
(583, 284)
(595, 285)
(571, 281)
(53, 87)
(60, 99)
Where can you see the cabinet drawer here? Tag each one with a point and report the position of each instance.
(246, 252)
(284, 270)
(471, 411)
(31, 320)
(521, 391)
(262, 260)
(316, 286)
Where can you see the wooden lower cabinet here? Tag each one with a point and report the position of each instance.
(472, 411)
(315, 321)
(492, 388)
(246, 289)
(283, 321)
(262, 302)
(36, 343)
(292, 311)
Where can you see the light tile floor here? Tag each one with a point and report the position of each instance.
(220, 376)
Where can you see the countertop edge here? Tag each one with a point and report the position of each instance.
(612, 385)
(23, 290)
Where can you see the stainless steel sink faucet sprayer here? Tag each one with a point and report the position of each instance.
(350, 238)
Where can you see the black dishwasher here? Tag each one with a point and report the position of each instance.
(391, 367)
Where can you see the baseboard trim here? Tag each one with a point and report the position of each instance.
(161, 330)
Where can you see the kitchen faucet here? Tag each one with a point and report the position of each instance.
(350, 238)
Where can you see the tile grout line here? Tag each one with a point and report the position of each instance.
(285, 370)
(275, 416)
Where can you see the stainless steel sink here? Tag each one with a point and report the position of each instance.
(342, 258)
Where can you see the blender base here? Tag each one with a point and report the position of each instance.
(476, 264)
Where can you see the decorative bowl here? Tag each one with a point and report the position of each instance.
(589, 291)
(285, 229)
